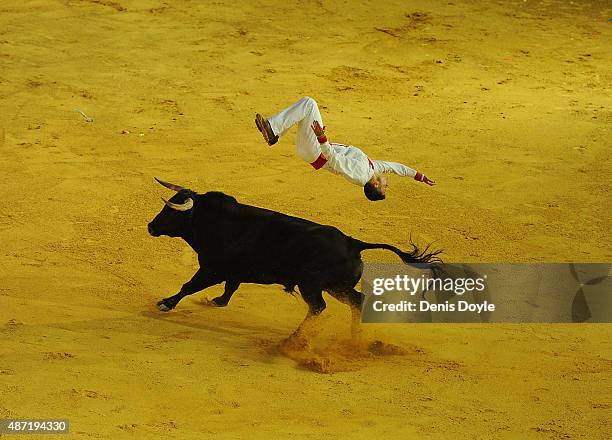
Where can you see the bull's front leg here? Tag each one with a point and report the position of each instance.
(200, 281)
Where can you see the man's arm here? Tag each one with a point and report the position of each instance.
(320, 134)
(381, 166)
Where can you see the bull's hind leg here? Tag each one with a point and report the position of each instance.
(354, 300)
(223, 300)
(299, 340)
(200, 281)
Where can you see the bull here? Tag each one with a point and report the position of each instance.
(238, 243)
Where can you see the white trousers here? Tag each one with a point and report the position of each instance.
(302, 113)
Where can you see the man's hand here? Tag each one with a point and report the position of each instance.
(318, 130)
(423, 178)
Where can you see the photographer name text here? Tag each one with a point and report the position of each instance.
(425, 306)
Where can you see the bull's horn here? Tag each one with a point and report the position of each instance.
(171, 186)
(185, 206)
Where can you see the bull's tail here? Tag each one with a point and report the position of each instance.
(416, 256)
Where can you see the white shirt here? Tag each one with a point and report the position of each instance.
(353, 164)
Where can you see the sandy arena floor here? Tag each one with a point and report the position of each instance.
(505, 103)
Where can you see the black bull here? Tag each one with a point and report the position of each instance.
(238, 243)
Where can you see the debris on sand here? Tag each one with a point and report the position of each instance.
(82, 113)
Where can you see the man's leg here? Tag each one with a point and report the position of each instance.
(302, 113)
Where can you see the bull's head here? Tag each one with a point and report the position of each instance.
(174, 218)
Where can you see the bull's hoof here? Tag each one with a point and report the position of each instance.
(380, 348)
(317, 364)
(294, 343)
(211, 303)
(161, 305)
(219, 302)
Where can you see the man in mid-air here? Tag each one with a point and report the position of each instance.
(313, 147)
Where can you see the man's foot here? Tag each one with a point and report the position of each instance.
(266, 130)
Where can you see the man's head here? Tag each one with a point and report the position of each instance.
(376, 188)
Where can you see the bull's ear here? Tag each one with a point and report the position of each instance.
(185, 206)
(171, 186)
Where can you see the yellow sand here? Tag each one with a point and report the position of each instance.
(506, 104)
